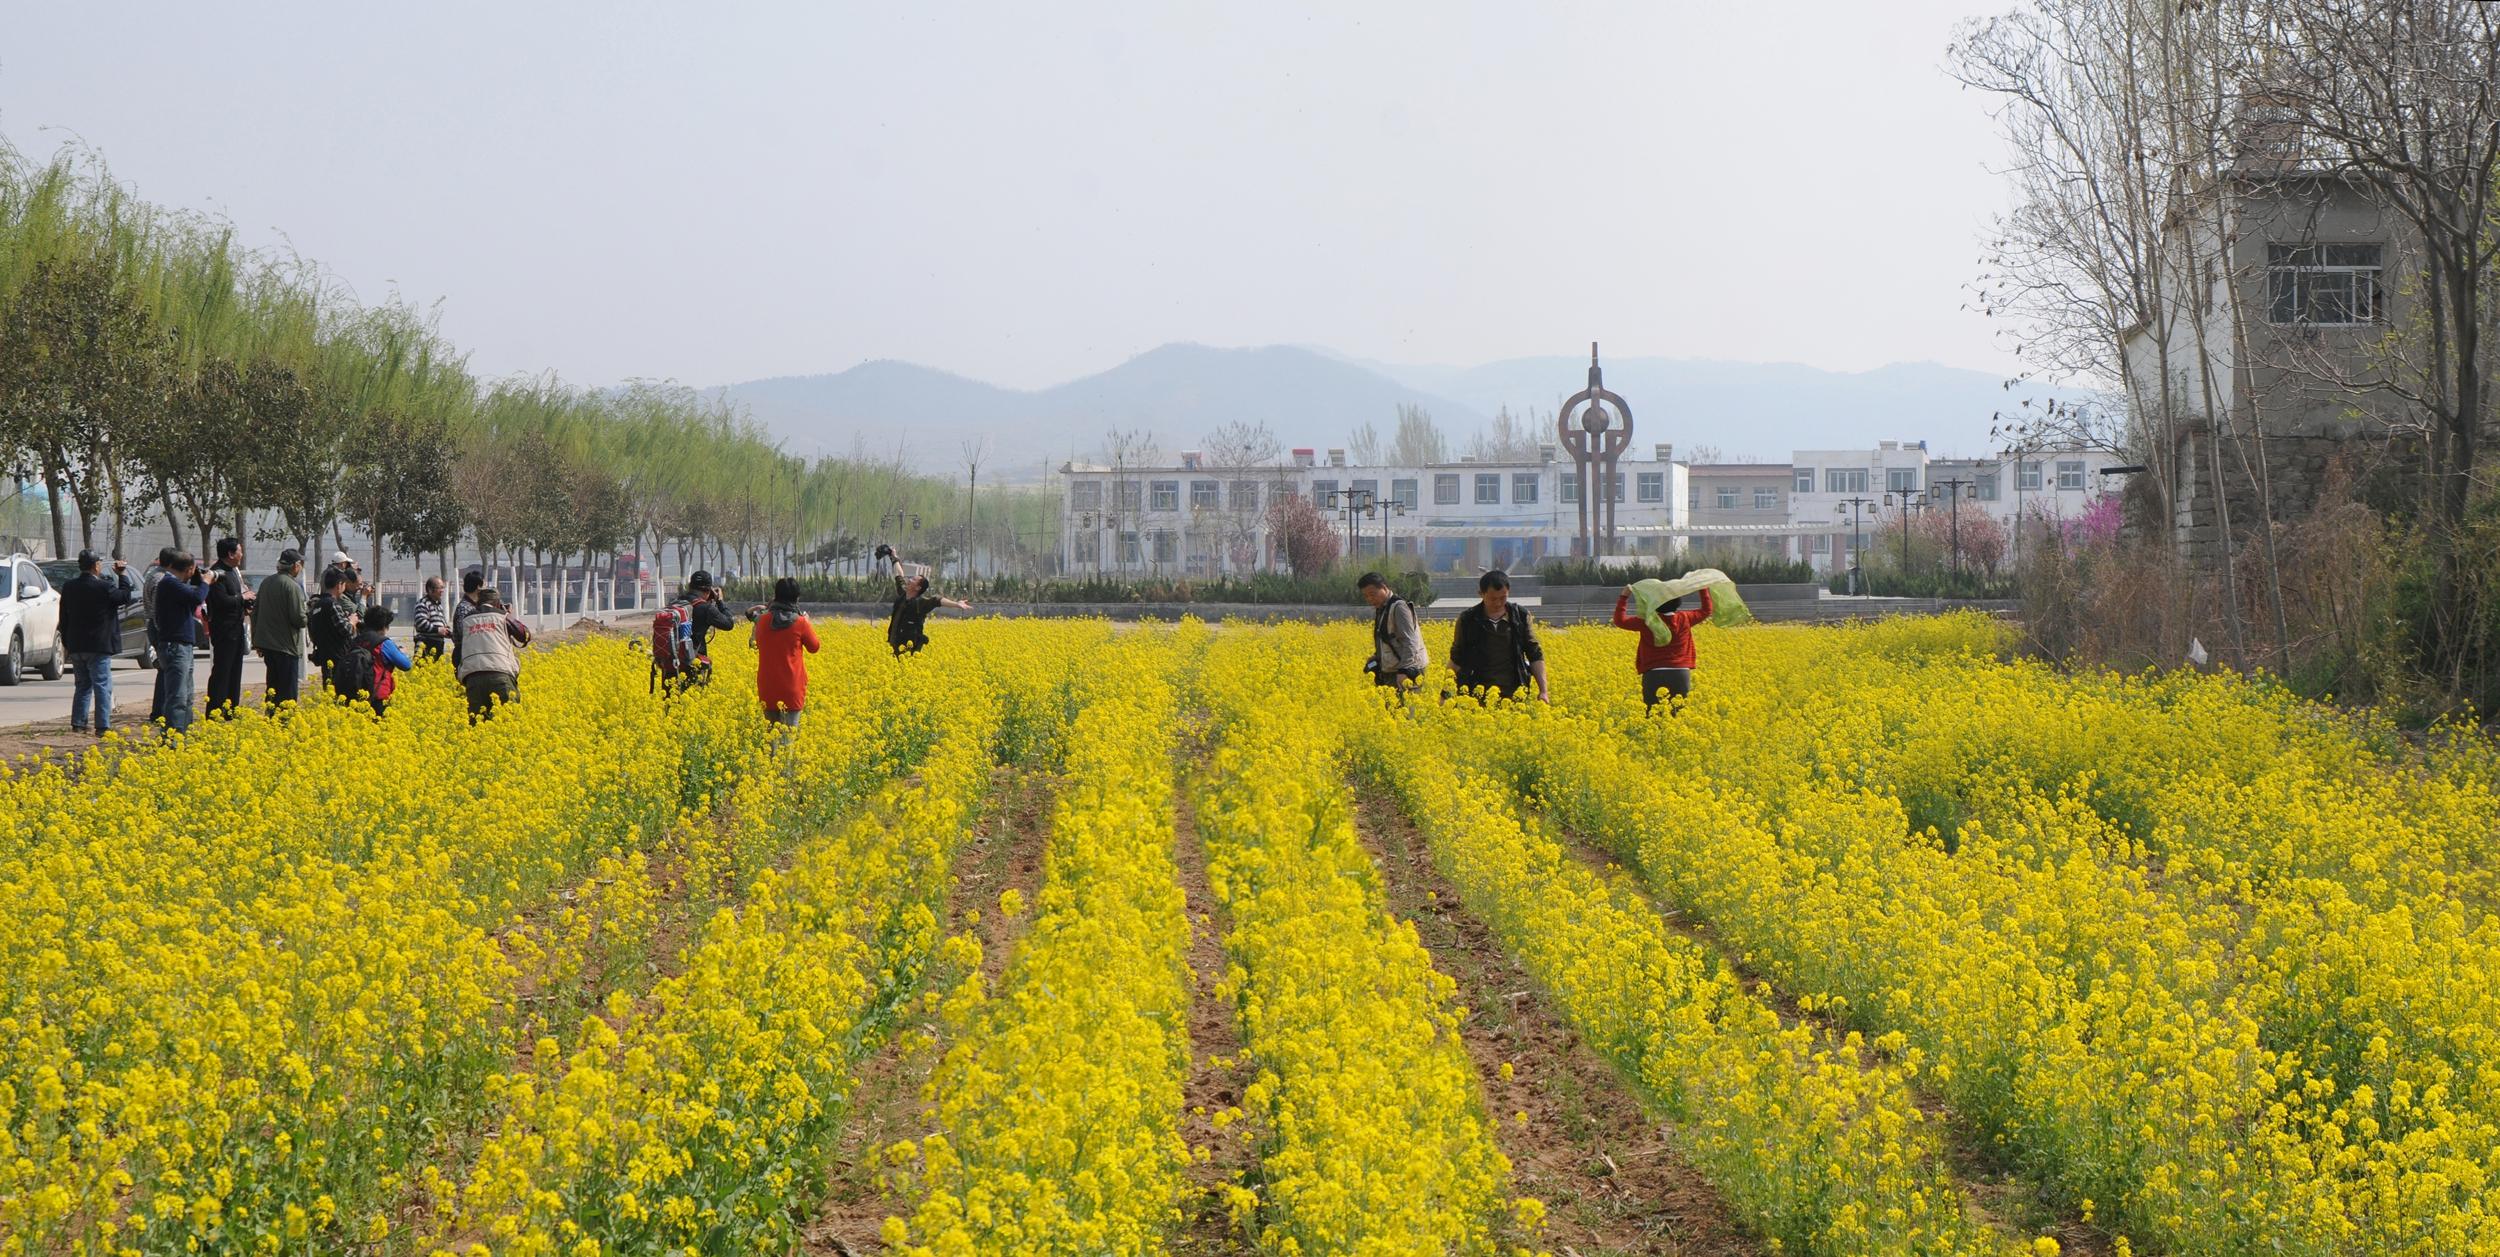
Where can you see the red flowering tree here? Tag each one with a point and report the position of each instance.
(1310, 543)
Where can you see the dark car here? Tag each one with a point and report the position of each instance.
(134, 617)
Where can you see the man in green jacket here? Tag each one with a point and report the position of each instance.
(278, 622)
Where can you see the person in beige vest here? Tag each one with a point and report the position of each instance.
(490, 655)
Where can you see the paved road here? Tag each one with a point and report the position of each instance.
(36, 699)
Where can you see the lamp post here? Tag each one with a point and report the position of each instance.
(1911, 500)
(1955, 490)
(1353, 504)
(1389, 509)
(1857, 508)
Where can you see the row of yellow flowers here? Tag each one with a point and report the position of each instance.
(2146, 931)
(1057, 1107)
(698, 1120)
(1377, 1139)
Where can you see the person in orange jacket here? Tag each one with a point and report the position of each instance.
(1664, 666)
(780, 635)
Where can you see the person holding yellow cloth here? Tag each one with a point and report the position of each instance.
(1655, 610)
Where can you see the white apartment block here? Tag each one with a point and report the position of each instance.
(1843, 498)
(1195, 519)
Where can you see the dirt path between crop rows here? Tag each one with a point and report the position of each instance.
(1218, 1069)
(2005, 1201)
(1005, 851)
(1612, 1183)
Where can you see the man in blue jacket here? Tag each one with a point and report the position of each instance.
(178, 600)
(91, 631)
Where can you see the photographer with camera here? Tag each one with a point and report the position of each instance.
(906, 629)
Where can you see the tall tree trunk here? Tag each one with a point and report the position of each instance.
(52, 497)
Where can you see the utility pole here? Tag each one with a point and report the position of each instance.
(1857, 508)
(1911, 500)
(1954, 491)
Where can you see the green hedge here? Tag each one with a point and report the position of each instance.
(1336, 587)
(1744, 569)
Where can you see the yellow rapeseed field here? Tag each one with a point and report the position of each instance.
(2199, 967)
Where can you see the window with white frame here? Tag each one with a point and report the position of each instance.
(1652, 486)
(1403, 491)
(2070, 473)
(1901, 480)
(1204, 495)
(1324, 494)
(1167, 495)
(1819, 543)
(1523, 488)
(1567, 488)
(1125, 495)
(2325, 285)
(1084, 495)
(1766, 499)
(1445, 488)
(1844, 480)
(1367, 489)
(1804, 482)
(2027, 477)
(1727, 497)
(1488, 488)
(1245, 495)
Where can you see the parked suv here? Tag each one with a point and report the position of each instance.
(134, 617)
(30, 621)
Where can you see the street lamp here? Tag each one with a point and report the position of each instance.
(1911, 500)
(1353, 504)
(1857, 508)
(1955, 490)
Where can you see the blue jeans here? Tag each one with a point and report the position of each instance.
(173, 685)
(92, 679)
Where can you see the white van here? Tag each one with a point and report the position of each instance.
(30, 621)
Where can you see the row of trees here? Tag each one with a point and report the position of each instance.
(2140, 134)
(155, 373)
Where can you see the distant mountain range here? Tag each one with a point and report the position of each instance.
(1311, 397)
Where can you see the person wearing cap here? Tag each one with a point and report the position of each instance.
(91, 631)
(705, 610)
(279, 618)
(352, 590)
(229, 627)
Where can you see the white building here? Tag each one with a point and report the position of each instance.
(1871, 489)
(1195, 519)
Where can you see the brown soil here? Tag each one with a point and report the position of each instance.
(1006, 850)
(1218, 1069)
(1609, 1175)
(1998, 1197)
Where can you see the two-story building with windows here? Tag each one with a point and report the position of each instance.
(1734, 507)
(1196, 519)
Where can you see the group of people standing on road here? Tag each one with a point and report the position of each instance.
(1494, 649)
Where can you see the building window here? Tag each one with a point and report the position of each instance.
(1489, 488)
(1167, 495)
(2070, 474)
(1167, 546)
(1324, 492)
(1805, 480)
(1128, 547)
(1987, 483)
(1404, 491)
(2027, 478)
(1901, 480)
(1845, 480)
(1085, 495)
(1569, 488)
(1245, 495)
(1616, 488)
(1368, 491)
(1819, 543)
(1445, 488)
(1089, 547)
(1653, 486)
(1766, 499)
(2324, 284)
(1692, 498)
(1203, 495)
(1727, 497)
(1124, 495)
(1523, 488)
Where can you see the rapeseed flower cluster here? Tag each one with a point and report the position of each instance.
(1376, 1134)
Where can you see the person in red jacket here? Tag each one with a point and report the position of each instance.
(1666, 665)
(780, 634)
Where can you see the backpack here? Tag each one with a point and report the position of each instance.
(322, 621)
(672, 642)
(359, 671)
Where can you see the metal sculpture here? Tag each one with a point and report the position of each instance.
(1596, 441)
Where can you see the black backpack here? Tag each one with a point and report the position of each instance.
(322, 617)
(357, 671)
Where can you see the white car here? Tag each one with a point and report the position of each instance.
(30, 621)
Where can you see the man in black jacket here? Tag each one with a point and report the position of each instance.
(91, 631)
(705, 610)
(229, 628)
(1495, 646)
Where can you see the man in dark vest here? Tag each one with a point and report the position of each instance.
(1495, 646)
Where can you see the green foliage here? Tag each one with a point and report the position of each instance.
(1266, 588)
(1744, 569)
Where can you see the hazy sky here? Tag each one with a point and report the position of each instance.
(1026, 193)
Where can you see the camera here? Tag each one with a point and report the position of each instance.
(883, 551)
